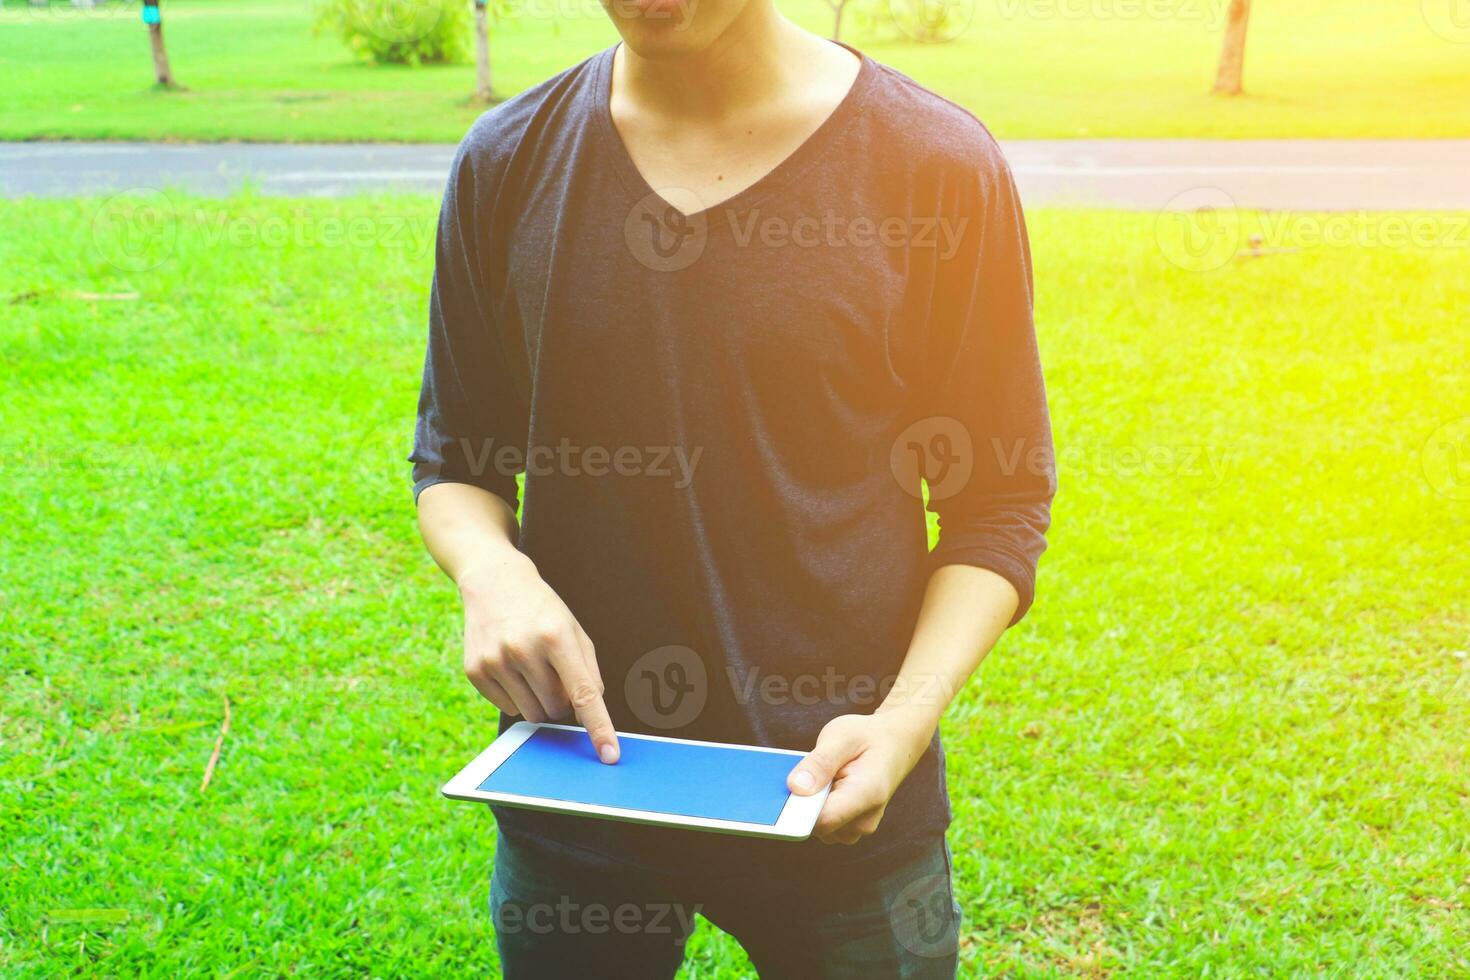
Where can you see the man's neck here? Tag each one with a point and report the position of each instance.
(759, 59)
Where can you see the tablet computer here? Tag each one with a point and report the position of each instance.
(729, 789)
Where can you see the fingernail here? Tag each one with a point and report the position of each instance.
(803, 780)
(608, 754)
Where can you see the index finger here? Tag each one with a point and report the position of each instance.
(585, 696)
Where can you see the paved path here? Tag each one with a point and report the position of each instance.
(1140, 174)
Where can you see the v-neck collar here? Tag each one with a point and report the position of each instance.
(768, 183)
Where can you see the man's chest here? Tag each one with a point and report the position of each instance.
(769, 318)
(781, 289)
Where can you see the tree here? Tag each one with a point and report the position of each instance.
(1232, 54)
(838, 6)
(482, 53)
(153, 17)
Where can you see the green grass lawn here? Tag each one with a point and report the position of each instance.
(1029, 68)
(1229, 741)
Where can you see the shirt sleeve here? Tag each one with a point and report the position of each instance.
(471, 424)
(987, 396)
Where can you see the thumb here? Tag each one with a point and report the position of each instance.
(836, 747)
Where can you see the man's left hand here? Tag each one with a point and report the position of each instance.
(865, 758)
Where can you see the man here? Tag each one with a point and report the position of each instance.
(723, 294)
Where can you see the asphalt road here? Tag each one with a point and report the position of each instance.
(1328, 175)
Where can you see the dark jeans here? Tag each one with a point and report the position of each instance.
(557, 917)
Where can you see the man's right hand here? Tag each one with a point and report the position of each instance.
(526, 652)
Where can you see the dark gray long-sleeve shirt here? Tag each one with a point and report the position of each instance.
(722, 417)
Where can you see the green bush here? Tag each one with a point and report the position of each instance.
(400, 32)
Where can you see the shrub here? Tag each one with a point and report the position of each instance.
(400, 32)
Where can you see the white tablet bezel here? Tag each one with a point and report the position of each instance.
(795, 823)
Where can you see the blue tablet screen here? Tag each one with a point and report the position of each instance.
(664, 777)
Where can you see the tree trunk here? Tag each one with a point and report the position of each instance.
(160, 57)
(482, 53)
(838, 6)
(1232, 55)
